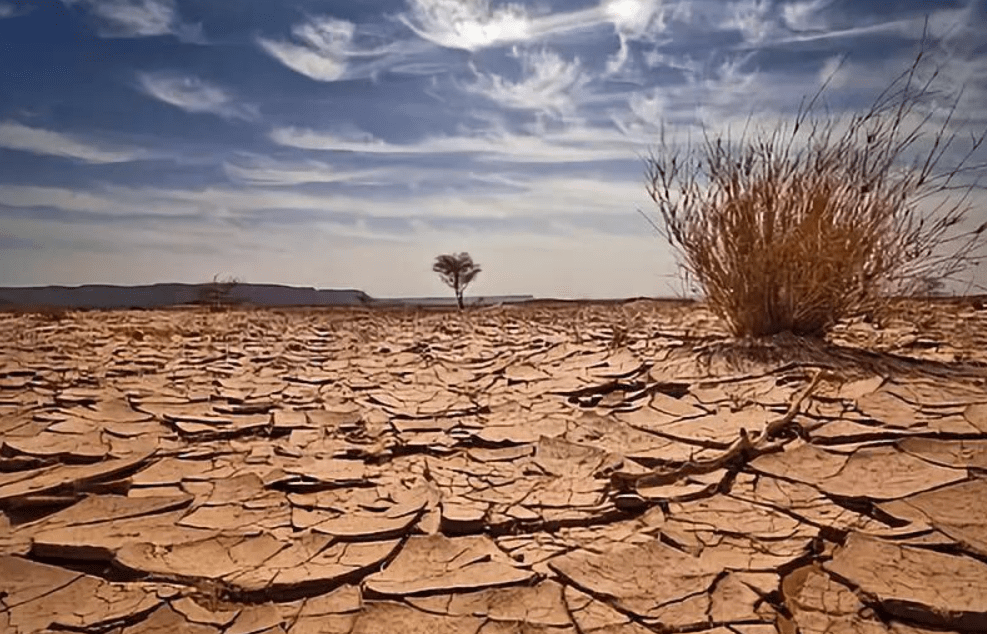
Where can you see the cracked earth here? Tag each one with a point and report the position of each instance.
(559, 469)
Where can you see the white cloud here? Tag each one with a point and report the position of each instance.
(322, 55)
(263, 171)
(570, 146)
(616, 61)
(549, 84)
(195, 95)
(635, 18)
(835, 72)
(753, 18)
(650, 109)
(467, 24)
(139, 18)
(329, 49)
(530, 197)
(16, 136)
(805, 15)
(706, 99)
(472, 25)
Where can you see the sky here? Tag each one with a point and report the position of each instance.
(345, 143)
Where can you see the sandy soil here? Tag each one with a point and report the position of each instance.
(557, 468)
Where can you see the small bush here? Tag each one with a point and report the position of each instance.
(809, 224)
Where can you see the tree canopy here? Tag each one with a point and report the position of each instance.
(457, 270)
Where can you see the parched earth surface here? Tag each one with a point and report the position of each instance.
(557, 469)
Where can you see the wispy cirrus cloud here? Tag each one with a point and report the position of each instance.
(635, 18)
(16, 136)
(754, 19)
(529, 197)
(805, 15)
(139, 18)
(328, 49)
(323, 52)
(468, 24)
(560, 147)
(194, 95)
(473, 25)
(549, 83)
(266, 172)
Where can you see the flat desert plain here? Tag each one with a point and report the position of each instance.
(550, 468)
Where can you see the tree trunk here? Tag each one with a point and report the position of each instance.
(459, 299)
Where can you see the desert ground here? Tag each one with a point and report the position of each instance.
(550, 468)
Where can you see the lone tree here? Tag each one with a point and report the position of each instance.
(457, 270)
(808, 224)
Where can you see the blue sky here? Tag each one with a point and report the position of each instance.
(344, 144)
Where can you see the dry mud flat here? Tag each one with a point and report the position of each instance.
(555, 469)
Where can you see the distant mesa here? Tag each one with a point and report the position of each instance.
(168, 295)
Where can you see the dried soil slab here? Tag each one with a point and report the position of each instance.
(721, 429)
(886, 407)
(686, 488)
(104, 508)
(948, 453)
(437, 564)
(802, 501)
(938, 393)
(915, 584)
(395, 617)
(330, 613)
(595, 617)
(82, 447)
(172, 471)
(212, 558)
(367, 526)
(729, 601)
(641, 580)
(99, 541)
(38, 596)
(615, 435)
(196, 613)
(821, 605)
(165, 620)
(520, 432)
(51, 479)
(311, 564)
(460, 515)
(976, 415)
(11, 542)
(538, 606)
(332, 472)
(876, 473)
(959, 511)
(727, 515)
(249, 517)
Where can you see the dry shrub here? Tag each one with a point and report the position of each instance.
(821, 220)
(218, 294)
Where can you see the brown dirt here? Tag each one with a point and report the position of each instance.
(557, 468)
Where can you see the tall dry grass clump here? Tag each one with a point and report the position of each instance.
(821, 220)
